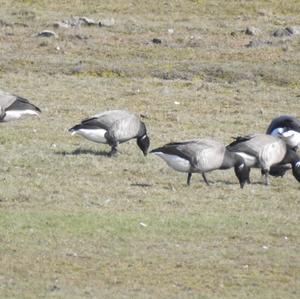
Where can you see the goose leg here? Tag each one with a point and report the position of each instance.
(267, 179)
(189, 178)
(248, 180)
(205, 179)
(113, 151)
(265, 173)
(112, 142)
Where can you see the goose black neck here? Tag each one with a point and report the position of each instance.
(142, 130)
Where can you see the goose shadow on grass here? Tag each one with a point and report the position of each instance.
(80, 151)
(141, 185)
(236, 183)
(222, 182)
(211, 182)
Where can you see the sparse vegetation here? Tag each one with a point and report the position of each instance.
(76, 224)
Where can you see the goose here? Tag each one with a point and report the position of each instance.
(201, 156)
(13, 107)
(288, 128)
(113, 127)
(268, 152)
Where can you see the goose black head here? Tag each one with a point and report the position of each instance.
(143, 143)
(143, 140)
(279, 170)
(242, 171)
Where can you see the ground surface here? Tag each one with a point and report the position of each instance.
(76, 224)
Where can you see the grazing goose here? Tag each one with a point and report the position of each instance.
(13, 107)
(202, 155)
(266, 151)
(288, 128)
(114, 127)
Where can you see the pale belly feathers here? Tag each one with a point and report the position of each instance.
(271, 154)
(208, 159)
(125, 129)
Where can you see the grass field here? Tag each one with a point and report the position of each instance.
(77, 224)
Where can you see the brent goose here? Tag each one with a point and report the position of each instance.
(114, 127)
(201, 156)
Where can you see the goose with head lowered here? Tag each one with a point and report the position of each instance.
(202, 156)
(286, 127)
(13, 107)
(265, 152)
(113, 127)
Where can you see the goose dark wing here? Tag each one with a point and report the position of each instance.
(188, 150)
(22, 104)
(93, 123)
(175, 149)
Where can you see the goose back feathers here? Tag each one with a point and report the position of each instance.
(113, 127)
(13, 107)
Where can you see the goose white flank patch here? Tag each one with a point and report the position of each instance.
(175, 162)
(202, 156)
(267, 152)
(114, 127)
(13, 107)
(249, 160)
(96, 135)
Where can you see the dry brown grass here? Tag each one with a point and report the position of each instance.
(70, 224)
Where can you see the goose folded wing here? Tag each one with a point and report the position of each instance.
(94, 123)
(189, 150)
(22, 104)
(241, 144)
(177, 149)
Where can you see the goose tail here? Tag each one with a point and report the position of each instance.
(74, 129)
